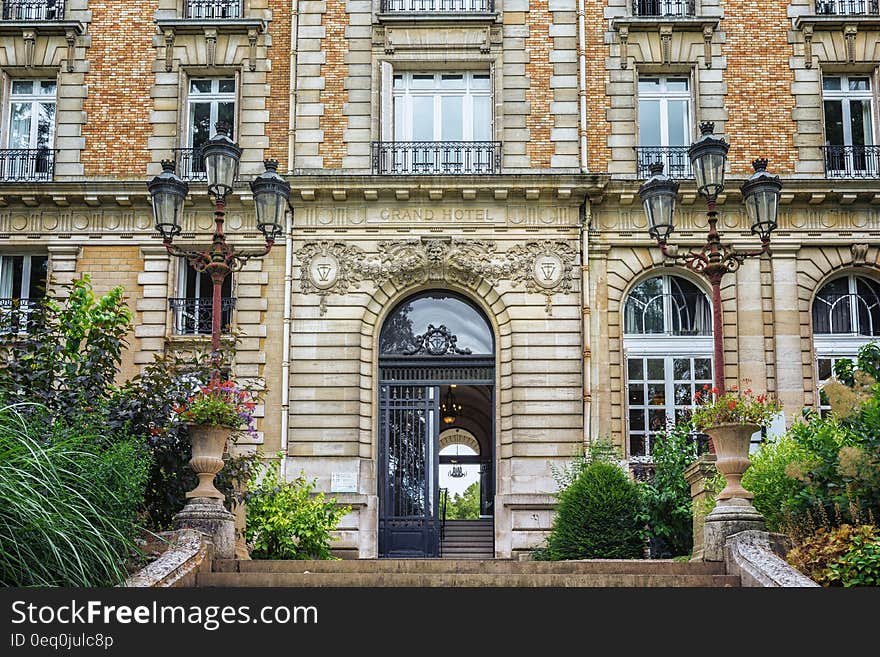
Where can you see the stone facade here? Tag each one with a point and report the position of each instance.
(314, 82)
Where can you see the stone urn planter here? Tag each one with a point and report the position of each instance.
(208, 445)
(732, 441)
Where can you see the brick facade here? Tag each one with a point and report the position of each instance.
(278, 101)
(334, 96)
(540, 94)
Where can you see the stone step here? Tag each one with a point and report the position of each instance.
(487, 566)
(459, 580)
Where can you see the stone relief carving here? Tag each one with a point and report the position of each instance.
(541, 266)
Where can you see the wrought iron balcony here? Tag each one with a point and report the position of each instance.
(437, 6)
(676, 162)
(213, 9)
(436, 158)
(190, 165)
(192, 316)
(14, 314)
(27, 165)
(664, 8)
(33, 10)
(852, 161)
(847, 7)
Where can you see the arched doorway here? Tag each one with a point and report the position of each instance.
(436, 373)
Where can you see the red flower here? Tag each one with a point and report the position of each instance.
(731, 404)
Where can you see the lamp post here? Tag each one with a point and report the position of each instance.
(761, 197)
(221, 157)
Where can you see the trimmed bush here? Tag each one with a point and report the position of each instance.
(598, 517)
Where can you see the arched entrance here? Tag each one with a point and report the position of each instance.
(436, 373)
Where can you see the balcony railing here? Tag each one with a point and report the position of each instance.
(852, 161)
(26, 164)
(437, 157)
(213, 9)
(33, 10)
(190, 165)
(675, 159)
(193, 316)
(437, 6)
(14, 314)
(664, 8)
(847, 7)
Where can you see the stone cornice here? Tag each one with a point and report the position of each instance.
(42, 27)
(654, 23)
(836, 22)
(225, 25)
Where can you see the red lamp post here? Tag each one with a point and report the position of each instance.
(761, 197)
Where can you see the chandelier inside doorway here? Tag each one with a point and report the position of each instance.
(450, 408)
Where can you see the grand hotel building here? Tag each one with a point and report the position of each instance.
(464, 217)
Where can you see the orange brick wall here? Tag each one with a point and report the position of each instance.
(597, 101)
(119, 79)
(109, 266)
(278, 102)
(334, 96)
(759, 78)
(539, 94)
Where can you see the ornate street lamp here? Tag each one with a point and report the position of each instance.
(761, 197)
(221, 156)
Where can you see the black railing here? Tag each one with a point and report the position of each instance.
(190, 164)
(33, 10)
(213, 9)
(437, 6)
(664, 8)
(852, 161)
(676, 162)
(14, 314)
(437, 157)
(26, 164)
(847, 7)
(444, 499)
(193, 316)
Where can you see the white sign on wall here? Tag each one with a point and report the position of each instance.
(343, 482)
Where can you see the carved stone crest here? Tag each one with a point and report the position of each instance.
(544, 267)
(329, 268)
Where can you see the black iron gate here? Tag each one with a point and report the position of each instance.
(409, 525)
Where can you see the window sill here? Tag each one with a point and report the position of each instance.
(43, 28)
(837, 21)
(678, 23)
(225, 25)
(437, 17)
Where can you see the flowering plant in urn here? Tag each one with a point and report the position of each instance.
(730, 420)
(212, 413)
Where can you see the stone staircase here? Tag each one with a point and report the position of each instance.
(465, 573)
(468, 539)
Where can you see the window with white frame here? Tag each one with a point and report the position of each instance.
(22, 285)
(210, 101)
(668, 353)
(665, 123)
(848, 103)
(846, 316)
(192, 307)
(30, 134)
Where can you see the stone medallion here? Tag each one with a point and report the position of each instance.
(548, 270)
(323, 271)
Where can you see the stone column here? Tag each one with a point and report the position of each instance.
(697, 475)
(750, 326)
(787, 330)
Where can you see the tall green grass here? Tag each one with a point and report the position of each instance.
(68, 502)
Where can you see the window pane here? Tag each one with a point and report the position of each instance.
(656, 394)
(868, 306)
(200, 123)
(682, 368)
(481, 81)
(423, 81)
(637, 420)
(200, 86)
(824, 367)
(482, 118)
(423, 118)
(834, 122)
(859, 84)
(689, 307)
(452, 81)
(20, 125)
(39, 273)
(831, 83)
(656, 371)
(399, 125)
(45, 124)
(451, 118)
(683, 396)
(227, 85)
(860, 122)
(702, 369)
(636, 444)
(635, 369)
(676, 84)
(22, 86)
(47, 87)
(649, 85)
(678, 120)
(637, 394)
(398, 81)
(649, 123)
(657, 419)
(410, 320)
(226, 114)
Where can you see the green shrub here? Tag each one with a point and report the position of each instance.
(769, 479)
(667, 496)
(843, 556)
(70, 502)
(287, 520)
(598, 517)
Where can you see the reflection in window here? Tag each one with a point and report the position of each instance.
(668, 305)
(848, 306)
(406, 326)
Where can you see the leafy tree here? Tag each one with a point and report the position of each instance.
(465, 506)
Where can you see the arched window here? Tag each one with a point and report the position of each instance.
(668, 351)
(846, 315)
